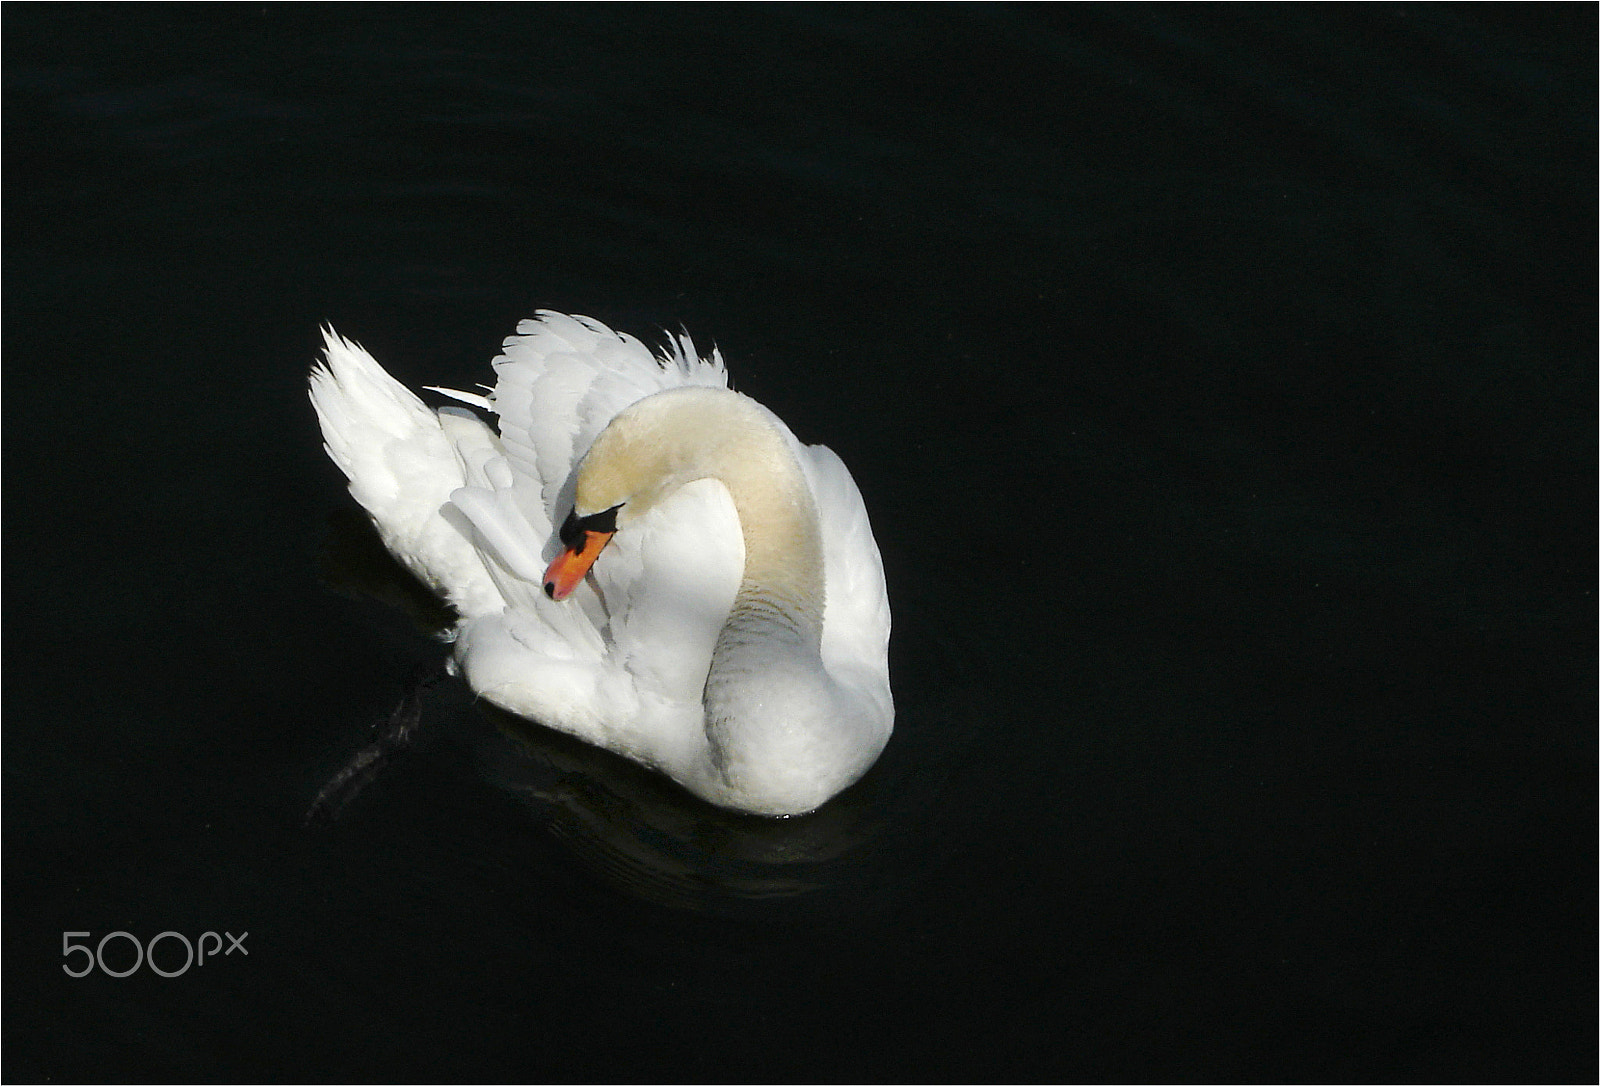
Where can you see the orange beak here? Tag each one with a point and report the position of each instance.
(570, 565)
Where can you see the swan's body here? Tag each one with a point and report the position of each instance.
(733, 636)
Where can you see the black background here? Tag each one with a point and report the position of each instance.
(1221, 381)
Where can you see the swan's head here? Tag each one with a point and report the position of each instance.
(583, 539)
(643, 455)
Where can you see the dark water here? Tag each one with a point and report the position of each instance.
(1222, 385)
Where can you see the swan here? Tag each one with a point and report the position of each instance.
(734, 632)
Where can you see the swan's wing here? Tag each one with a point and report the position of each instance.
(560, 380)
(855, 629)
(402, 467)
(489, 514)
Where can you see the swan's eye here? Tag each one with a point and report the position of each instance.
(574, 526)
(570, 532)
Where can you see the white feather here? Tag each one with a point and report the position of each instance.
(623, 662)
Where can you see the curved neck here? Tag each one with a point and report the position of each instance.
(781, 594)
(672, 438)
(779, 736)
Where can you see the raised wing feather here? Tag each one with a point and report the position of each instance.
(402, 468)
(560, 380)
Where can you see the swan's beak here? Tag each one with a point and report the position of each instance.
(571, 564)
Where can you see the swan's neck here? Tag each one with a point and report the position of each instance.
(780, 598)
(673, 438)
(768, 701)
(776, 739)
(777, 611)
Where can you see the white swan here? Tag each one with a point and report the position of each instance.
(735, 634)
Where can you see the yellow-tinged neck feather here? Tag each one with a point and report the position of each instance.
(676, 437)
